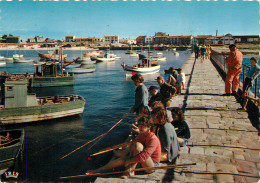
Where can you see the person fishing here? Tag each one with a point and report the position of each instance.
(183, 130)
(146, 151)
(165, 132)
(141, 94)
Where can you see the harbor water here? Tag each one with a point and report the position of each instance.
(108, 94)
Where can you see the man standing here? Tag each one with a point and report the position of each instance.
(234, 65)
(167, 91)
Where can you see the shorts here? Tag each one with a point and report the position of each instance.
(247, 85)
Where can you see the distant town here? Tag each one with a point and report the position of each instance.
(159, 38)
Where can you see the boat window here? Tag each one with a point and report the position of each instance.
(9, 88)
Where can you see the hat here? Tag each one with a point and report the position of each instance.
(153, 88)
(159, 78)
(179, 69)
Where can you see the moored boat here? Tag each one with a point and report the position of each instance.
(146, 67)
(2, 63)
(52, 54)
(17, 106)
(2, 57)
(22, 60)
(80, 70)
(48, 76)
(11, 142)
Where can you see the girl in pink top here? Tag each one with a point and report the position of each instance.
(146, 150)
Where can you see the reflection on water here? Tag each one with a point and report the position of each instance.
(108, 94)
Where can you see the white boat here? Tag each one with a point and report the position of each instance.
(159, 53)
(17, 56)
(22, 60)
(158, 58)
(2, 63)
(134, 54)
(2, 57)
(84, 60)
(79, 70)
(106, 58)
(9, 58)
(176, 53)
(144, 68)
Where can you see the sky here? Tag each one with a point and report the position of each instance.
(127, 19)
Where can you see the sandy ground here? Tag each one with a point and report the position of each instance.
(38, 48)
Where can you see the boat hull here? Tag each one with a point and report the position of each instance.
(129, 70)
(22, 60)
(49, 55)
(43, 112)
(79, 70)
(8, 154)
(51, 81)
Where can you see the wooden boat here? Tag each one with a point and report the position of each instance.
(48, 76)
(9, 58)
(52, 54)
(17, 56)
(22, 60)
(11, 142)
(80, 70)
(17, 106)
(2, 63)
(146, 67)
(107, 57)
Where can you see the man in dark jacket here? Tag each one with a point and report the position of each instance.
(155, 95)
(167, 91)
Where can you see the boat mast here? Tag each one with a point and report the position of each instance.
(61, 61)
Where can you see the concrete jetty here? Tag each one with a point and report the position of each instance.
(223, 144)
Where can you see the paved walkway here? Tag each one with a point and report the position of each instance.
(223, 142)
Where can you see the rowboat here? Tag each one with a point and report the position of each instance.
(18, 106)
(52, 54)
(107, 57)
(146, 67)
(22, 60)
(2, 57)
(11, 142)
(79, 70)
(2, 63)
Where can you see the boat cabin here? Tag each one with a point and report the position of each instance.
(14, 93)
(46, 69)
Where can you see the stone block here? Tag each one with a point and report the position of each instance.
(197, 150)
(224, 178)
(221, 168)
(218, 152)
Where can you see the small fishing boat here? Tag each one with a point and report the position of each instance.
(52, 54)
(146, 67)
(176, 53)
(2, 57)
(159, 53)
(18, 106)
(47, 75)
(107, 57)
(17, 56)
(9, 58)
(2, 63)
(22, 60)
(133, 54)
(11, 142)
(158, 58)
(79, 70)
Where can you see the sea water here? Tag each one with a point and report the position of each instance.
(108, 94)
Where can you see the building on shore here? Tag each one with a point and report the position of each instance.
(13, 39)
(111, 39)
(69, 38)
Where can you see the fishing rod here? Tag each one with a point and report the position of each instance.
(99, 137)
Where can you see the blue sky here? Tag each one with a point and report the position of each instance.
(127, 19)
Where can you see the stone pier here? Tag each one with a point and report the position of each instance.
(223, 144)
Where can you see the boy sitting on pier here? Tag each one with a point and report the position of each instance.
(145, 151)
(252, 74)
